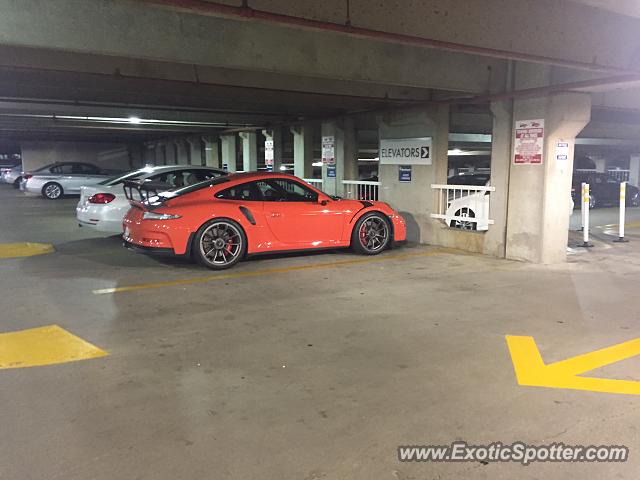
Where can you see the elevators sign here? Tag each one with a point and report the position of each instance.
(329, 150)
(529, 142)
(405, 151)
(268, 154)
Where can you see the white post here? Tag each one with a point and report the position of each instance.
(582, 206)
(623, 206)
(585, 206)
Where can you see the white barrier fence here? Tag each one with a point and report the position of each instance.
(314, 182)
(360, 189)
(463, 206)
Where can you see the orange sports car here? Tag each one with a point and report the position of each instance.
(221, 221)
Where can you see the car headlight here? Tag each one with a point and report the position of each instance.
(159, 216)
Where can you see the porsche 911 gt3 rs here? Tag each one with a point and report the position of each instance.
(219, 222)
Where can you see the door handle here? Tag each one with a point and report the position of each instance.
(276, 214)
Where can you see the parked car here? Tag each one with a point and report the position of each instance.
(58, 179)
(103, 206)
(12, 176)
(465, 204)
(603, 190)
(220, 221)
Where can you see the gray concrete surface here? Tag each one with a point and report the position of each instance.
(307, 374)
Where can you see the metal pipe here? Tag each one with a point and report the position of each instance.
(203, 7)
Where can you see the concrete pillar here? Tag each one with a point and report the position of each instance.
(171, 153)
(159, 154)
(249, 151)
(194, 144)
(303, 150)
(539, 195)
(634, 170)
(149, 154)
(495, 237)
(415, 199)
(182, 154)
(275, 137)
(601, 164)
(211, 151)
(229, 156)
(345, 150)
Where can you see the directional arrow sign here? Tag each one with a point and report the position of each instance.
(531, 370)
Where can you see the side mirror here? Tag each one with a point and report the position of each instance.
(323, 200)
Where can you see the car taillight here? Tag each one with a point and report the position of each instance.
(27, 176)
(102, 198)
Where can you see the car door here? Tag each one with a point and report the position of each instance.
(63, 174)
(295, 216)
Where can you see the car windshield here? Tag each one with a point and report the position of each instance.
(115, 180)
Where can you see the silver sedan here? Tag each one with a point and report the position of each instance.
(58, 179)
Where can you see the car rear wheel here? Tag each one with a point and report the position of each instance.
(16, 184)
(371, 235)
(464, 224)
(593, 203)
(52, 191)
(220, 244)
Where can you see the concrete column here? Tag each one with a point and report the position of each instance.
(274, 135)
(495, 237)
(634, 170)
(345, 153)
(249, 151)
(171, 153)
(415, 199)
(149, 154)
(194, 144)
(182, 155)
(539, 195)
(159, 155)
(211, 151)
(229, 156)
(601, 164)
(302, 150)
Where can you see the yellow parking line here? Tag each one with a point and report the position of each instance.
(44, 346)
(268, 271)
(25, 249)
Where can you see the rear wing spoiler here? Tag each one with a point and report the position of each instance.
(145, 194)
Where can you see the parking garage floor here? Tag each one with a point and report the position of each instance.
(303, 367)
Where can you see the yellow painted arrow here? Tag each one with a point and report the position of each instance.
(532, 371)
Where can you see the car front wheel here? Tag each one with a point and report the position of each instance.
(220, 244)
(52, 191)
(371, 234)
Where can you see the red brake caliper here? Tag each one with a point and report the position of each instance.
(363, 235)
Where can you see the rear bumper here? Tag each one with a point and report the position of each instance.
(166, 252)
(98, 219)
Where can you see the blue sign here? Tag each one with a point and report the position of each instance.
(331, 171)
(404, 173)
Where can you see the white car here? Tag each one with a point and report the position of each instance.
(59, 179)
(12, 176)
(103, 206)
(463, 204)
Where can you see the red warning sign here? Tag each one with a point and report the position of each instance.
(529, 142)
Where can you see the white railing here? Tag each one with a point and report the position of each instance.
(619, 174)
(360, 189)
(314, 182)
(463, 206)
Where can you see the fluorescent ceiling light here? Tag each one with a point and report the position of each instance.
(135, 120)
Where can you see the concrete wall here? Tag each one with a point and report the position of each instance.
(105, 155)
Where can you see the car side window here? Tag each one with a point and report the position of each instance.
(285, 190)
(245, 192)
(197, 175)
(66, 169)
